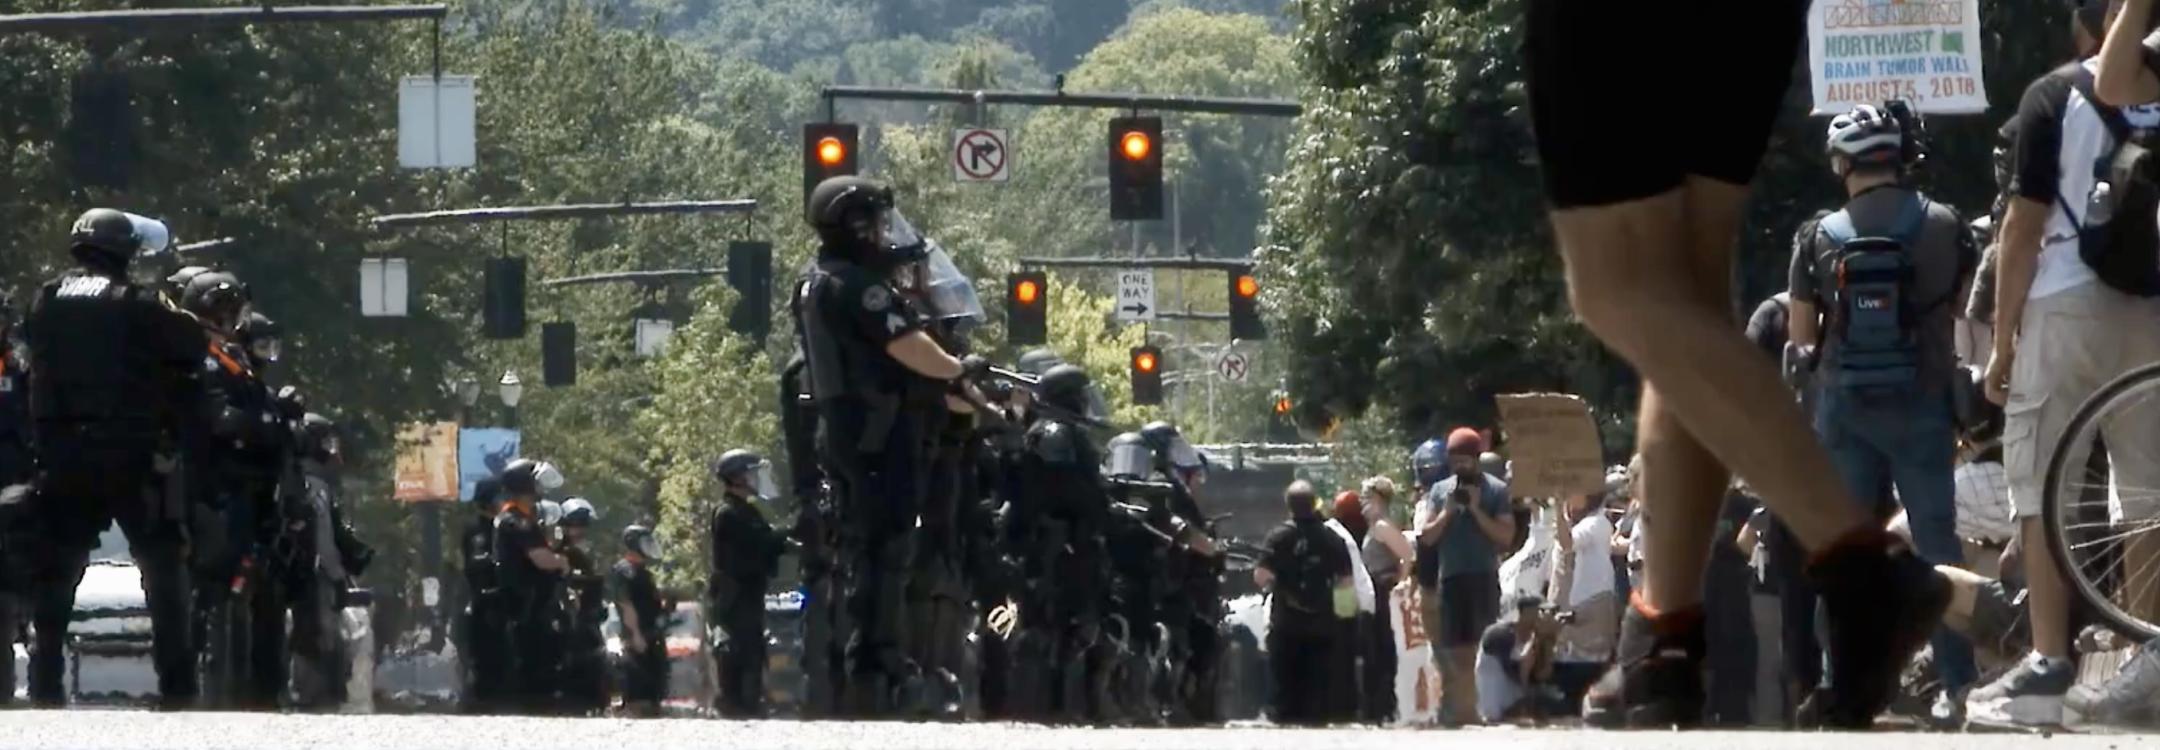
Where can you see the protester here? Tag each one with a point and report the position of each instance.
(1462, 524)
(1308, 571)
(1388, 558)
(1347, 520)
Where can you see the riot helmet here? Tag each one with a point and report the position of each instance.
(1429, 462)
(179, 279)
(104, 237)
(1068, 387)
(261, 336)
(947, 294)
(526, 478)
(1038, 361)
(640, 540)
(755, 472)
(551, 513)
(319, 439)
(217, 298)
(579, 512)
(1173, 453)
(1128, 455)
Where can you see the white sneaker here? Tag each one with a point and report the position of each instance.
(2026, 696)
(2123, 696)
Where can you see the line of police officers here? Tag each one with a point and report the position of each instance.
(119, 404)
(941, 502)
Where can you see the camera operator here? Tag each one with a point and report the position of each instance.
(1462, 525)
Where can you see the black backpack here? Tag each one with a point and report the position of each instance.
(1307, 586)
(2119, 236)
(1872, 310)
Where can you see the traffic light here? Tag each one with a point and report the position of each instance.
(503, 299)
(1027, 305)
(558, 353)
(749, 271)
(1136, 184)
(1146, 375)
(1245, 323)
(828, 150)
(1282, 427)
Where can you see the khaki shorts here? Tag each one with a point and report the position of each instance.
(2072, 343)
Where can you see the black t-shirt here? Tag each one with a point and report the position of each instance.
(634, 583)
(2038, 124)
(1307, 559)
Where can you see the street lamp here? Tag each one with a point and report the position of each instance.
(510, 388)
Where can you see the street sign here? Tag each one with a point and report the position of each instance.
(981, 155)
(435, 122)
(1135, 295)
(1232, 366)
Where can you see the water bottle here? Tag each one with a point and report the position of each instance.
(2100, 205)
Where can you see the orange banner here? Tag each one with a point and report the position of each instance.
(427, 462)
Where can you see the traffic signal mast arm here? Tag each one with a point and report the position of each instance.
(1098, 100)
(162, 18)
(570, 211)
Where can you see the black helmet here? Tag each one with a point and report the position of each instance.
(1065, 387)
(834, 199)
(641, 540)
(260, 335)
(319, 438)
(179, 280)
(734, 462)
(1039, 361)
(528, 478)
(216, 297)
(106, 235)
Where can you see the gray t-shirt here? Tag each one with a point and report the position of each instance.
(1942, 253)
(1463, 547)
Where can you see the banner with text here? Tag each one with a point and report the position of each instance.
(1870, 51)
(427, 462)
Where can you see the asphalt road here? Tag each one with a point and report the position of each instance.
(148, 731)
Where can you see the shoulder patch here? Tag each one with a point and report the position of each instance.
(876, 298)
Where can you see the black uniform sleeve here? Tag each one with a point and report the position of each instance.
(2038, 151)
(866, 305)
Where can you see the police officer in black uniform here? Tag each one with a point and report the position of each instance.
(482, 628)
(745, 556)
(330, 558)
(864, 343)
(1193, 609)
(15, 466)
(645, 620)
(526, 572)
(238, 604)
(816, 533)
(114, 392)
(1062, 533)
(584, 646)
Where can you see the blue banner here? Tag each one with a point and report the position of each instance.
(482, 453)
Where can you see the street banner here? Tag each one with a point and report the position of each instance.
(1553, 444)
(1871, 51)
(427, 462)
(482, 453)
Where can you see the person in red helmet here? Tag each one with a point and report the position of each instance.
(1462, 525)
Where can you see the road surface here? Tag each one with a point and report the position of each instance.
(134, 730)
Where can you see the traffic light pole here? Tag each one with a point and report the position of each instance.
(1094, 100)
(569, 211)
(1188, 263)
(163, 18)
(639, 277)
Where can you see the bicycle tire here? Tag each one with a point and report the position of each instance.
(2096, 601)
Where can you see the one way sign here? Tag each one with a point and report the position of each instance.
(1135, 295)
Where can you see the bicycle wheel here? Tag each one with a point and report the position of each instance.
(2083, 510)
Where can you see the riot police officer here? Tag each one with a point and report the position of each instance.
(484, 623)
(114, 392)
(1062, 533)
(584, 647)
(645, 616)
(816, 533)
(864, 343)
(332, 558)
(526, 571)
(242, 621)
(745, 555)
(1194, 610)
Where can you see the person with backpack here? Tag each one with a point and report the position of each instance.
(1306, 568)
(2077, 305)
(1882, 276)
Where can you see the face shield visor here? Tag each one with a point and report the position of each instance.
(549, 477)
(647, 546)
(947, 293)
(898, 238)
(760, 479)
(1097, 408)
(1129, 458)
(154, 236)
(550, 513)
(267, 349)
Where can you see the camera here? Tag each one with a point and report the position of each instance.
(1912, 150)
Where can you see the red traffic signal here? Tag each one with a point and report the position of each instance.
(1136, 168)
(1027, 304)
(1147, 385)
(828, 151)
(1245, 323)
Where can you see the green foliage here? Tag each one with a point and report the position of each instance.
(716, 392)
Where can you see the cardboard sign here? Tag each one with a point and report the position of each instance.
(1554, 445)
(427, 462)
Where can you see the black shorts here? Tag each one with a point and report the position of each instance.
(1629, 99)
(1469, 603)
